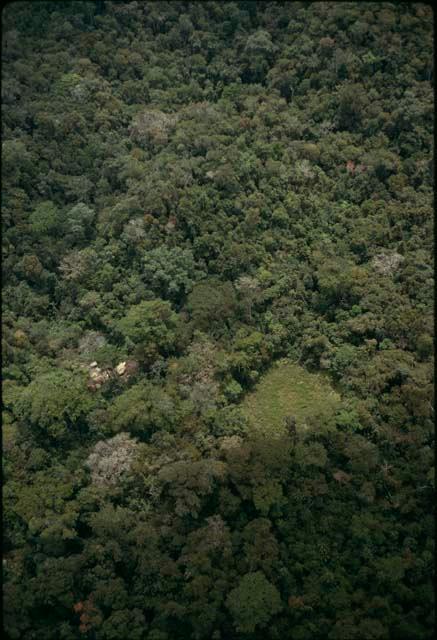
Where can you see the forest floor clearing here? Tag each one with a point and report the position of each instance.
(289, 389)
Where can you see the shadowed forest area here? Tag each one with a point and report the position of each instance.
(217, 236)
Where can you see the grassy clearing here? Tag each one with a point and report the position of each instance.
(290, 389)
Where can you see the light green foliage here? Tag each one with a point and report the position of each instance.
(249, 353)
(253, 602)
(230, 421)
(342, 359)
(289, 389)
(150, 324)
(68, 82)
(268, 495)
(170, 272)
(233, 390)
(56, 403)
(78, 221)
(45, 219)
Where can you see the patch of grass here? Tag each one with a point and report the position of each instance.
(289, 389)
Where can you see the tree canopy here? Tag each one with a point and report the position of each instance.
(217, 226)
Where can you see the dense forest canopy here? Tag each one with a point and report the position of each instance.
(194, 193)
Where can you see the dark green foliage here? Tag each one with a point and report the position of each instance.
(212, 306)
(193, 194)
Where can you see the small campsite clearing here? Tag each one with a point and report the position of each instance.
(289, 389)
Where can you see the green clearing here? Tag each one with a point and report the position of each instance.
(288, 388)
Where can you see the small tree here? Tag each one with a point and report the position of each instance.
(211, 305)
(253, 602)
(151, 327)
(78, 222)
(44, 219)
(170, 272)
(56, 403)
(290, 425)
